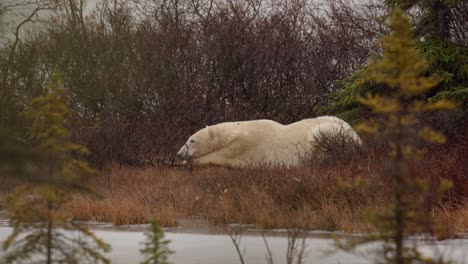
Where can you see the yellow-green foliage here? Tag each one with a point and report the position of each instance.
(61, 157)
(40, 231)
(402, 71)
(156, 250)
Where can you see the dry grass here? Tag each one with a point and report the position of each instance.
(323, 199)
(320, 198)
(317, 198)
(451, 222)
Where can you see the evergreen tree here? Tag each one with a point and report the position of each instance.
(436, 16)
(401, 74)
(41, 233)
(449, 60)
(155, 249)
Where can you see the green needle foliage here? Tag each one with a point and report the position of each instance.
(155, 249)
(401, 72)
(435, 18)
(449, 61)
(41, 233)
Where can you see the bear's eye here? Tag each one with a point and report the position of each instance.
(192, 141)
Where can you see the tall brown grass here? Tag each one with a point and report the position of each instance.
(266, 197)
(326, 198)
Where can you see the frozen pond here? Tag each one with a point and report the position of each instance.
(191, 248)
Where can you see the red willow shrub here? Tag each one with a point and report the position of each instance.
(142, 75)
(150, 73)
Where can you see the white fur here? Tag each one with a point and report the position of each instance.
(255, 142)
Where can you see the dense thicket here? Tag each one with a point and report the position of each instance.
(142, 75)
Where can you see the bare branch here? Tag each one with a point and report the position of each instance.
(39, 6)
(235, 235)
(269, 256)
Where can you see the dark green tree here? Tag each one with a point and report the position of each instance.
(41, 232)
(435, 28)
(401, 70)
(436, 17)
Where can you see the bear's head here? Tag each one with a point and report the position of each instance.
(202, 143)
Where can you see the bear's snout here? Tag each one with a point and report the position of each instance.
(182, 154)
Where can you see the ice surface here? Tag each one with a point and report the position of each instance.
(193, 248)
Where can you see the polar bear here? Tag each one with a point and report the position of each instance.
(250, 143)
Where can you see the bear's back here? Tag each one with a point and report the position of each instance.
(332, 126)
(253, 123)
(255, 129)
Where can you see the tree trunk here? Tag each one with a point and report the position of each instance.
(49, 233)
(441, 13)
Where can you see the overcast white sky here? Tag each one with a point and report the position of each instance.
(15, 16)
